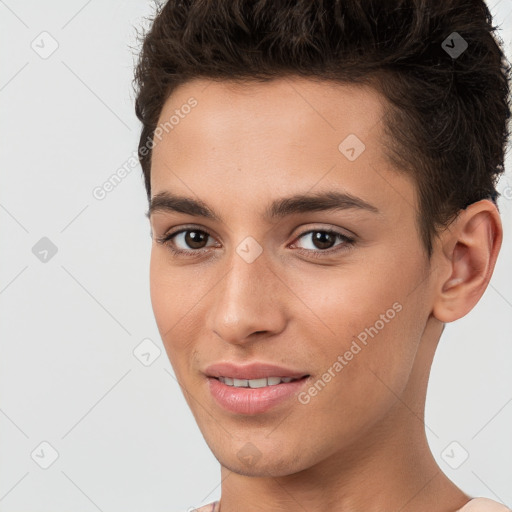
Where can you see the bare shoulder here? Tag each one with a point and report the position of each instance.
(484, 505)
(210, 507)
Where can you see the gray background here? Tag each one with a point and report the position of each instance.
(125, 438)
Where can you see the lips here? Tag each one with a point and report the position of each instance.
(250, 401)
(251, 371)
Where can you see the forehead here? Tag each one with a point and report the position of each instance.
(275, 137)
(301, 107)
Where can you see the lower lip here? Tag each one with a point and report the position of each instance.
(253, 400)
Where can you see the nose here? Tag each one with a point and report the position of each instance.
(248, 302)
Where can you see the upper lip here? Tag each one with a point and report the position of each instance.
(251, 371)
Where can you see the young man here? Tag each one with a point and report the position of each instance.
(321, 179)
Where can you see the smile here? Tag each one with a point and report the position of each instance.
(255, 396)
(254, 383)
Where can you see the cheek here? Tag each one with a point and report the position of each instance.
(363, 361)
(172, 300)
(174, 290)
(160, 286)
(180, 300)
(364, 314)
(342, 302)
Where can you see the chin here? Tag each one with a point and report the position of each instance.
(262, 469)
(274, 463)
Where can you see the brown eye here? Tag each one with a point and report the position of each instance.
(323, 242)
(323, 239)
(195, 239)
(186, 242)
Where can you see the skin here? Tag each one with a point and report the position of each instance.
(360, 443)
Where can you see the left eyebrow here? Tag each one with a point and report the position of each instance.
(279, 208)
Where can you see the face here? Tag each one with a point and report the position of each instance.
(338, 292)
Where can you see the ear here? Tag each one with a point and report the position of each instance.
(467, 256)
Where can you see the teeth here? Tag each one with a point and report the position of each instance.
(258, 383)
(254, 383)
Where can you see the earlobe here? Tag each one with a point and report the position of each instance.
(470, 250)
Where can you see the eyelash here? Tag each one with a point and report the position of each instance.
(192, 253)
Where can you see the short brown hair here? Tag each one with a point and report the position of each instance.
(447, 121)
